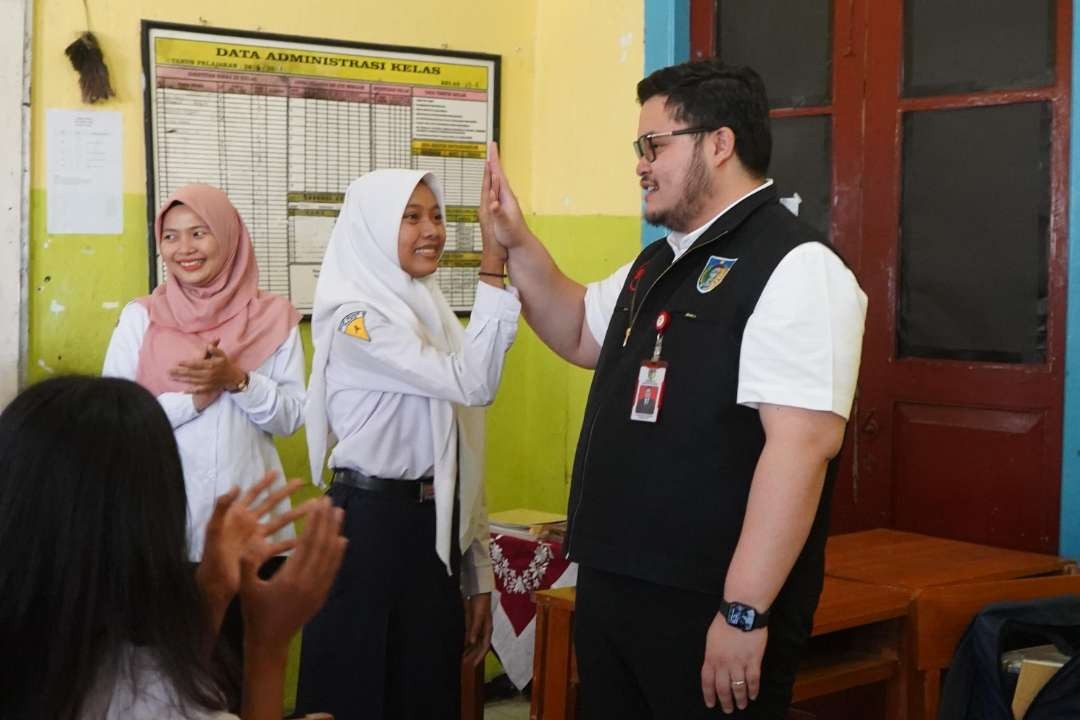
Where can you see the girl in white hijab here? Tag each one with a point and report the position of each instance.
(397, 381)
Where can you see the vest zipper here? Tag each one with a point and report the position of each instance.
(626, 338)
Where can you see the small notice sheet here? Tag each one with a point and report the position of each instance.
(83, 166)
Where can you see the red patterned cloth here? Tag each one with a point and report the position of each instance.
(521, 567)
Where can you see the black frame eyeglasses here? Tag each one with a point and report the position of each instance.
(644, 147)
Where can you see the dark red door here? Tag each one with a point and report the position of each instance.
(936, 160)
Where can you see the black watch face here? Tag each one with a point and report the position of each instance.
(741, 616)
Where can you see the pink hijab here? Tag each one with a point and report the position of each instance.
(251, 323)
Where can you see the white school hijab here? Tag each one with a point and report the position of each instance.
(361, 266)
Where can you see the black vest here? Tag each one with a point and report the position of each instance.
(664, 502)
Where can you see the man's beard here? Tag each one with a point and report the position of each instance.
(696, 190)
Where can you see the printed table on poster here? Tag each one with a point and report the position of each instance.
(284, 124)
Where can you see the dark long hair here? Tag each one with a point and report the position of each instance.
(93, 516)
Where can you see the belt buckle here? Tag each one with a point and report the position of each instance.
(426, 492)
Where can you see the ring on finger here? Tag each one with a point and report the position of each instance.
(737, 683)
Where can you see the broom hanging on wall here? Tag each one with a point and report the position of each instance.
(86, 58)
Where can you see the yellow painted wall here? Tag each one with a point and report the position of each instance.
(589, 59)
(491, 26)
(568, 115)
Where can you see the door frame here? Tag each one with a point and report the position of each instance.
(14, 192)
(1069, 542)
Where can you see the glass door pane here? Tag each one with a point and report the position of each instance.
(974, 234)
(959, 46)
(788, 43)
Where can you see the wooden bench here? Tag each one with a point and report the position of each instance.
(856, 641)
(942, 614)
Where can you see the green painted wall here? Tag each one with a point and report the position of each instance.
(77, 286)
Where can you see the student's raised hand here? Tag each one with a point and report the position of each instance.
(209, 374)
(499, 213)
(275, 609)
(237, 530)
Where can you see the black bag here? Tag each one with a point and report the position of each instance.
(978, 688)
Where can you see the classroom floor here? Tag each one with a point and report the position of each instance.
(516, 708)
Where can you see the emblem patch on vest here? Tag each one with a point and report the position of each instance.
(715, 270)
(353, 324)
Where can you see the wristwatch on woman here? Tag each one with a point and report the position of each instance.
(240, 386)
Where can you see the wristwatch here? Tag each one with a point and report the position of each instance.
(742, 616)
(241, 386)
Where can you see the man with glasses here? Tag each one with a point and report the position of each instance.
(700, 527)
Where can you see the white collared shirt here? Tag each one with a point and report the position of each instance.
(137, 690)
(378, 392)
(231, 441)
(802, 344)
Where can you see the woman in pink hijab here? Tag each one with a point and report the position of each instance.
(222, 357)
(225, 361)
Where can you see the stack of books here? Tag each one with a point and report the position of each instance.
(526, 523)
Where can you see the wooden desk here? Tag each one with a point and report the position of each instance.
(857, 640)
(943, 613)
(913, 561)
(916, 563)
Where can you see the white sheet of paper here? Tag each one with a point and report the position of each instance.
(83, 164)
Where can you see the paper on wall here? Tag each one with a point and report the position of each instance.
(84, 172)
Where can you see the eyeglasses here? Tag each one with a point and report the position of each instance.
(645, 148)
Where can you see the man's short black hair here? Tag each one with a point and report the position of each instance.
(708, 93)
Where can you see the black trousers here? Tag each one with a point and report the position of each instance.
(640, 647)
(388, 641)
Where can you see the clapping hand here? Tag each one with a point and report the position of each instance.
(236, 531)
(209, 375)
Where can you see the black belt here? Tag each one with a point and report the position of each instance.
(418, 491)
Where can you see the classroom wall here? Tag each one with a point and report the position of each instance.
(568, 114)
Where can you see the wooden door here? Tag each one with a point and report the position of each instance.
(945, 184)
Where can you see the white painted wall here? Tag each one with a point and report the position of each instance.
(14, 193)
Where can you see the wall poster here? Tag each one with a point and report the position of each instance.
(284, 124)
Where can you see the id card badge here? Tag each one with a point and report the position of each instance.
(649, 392)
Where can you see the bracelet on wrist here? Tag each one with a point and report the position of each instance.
(491, 274)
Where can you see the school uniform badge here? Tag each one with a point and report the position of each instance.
(353, 325)
(715, 270)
